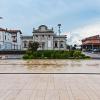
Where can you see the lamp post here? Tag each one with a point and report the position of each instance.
(59, 31)
(59, 26)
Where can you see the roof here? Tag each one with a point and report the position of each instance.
(10, 31)
(1, 29)
(95, 40)
(61, 36)
(43, 29)
(92, 38)
(14, 31)
(27, 37)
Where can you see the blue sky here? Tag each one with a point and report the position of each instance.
(76, 16)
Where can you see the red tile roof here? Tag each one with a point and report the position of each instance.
(91, 40)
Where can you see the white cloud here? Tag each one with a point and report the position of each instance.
(78, 34)
(88, 30)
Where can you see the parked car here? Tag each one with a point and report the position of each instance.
(96, 51)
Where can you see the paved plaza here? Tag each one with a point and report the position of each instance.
(49, 86)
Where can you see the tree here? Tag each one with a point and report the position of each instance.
(33, 46)
(74, 47)
(69, 47)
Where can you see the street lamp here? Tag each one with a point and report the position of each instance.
(59, 26)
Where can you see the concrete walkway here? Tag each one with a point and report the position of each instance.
(49, 87)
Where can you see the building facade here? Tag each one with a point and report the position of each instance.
(5, 39)
(16, 39)
(25, 41)
(46, 38)
(10, 39)
(91, 43)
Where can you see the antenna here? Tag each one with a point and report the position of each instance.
(59, 26)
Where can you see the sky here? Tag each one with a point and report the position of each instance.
(79, 18)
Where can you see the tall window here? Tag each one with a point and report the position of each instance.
(61, 45)
(25, 44)
(56, 45)
(5, 37)
(36, 35)
(49, 36)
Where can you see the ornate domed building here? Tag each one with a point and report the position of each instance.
(46, 38)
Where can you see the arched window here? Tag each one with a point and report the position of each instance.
(25, 44)
(61, 45)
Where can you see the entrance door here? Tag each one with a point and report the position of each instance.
(43, 45)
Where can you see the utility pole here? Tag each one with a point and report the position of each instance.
(59, 31)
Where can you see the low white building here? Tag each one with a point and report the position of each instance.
(5, 39)
(16, 39)
(25, 41)
(10, 39)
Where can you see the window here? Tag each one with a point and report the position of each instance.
(42, 35)
(56, 45)
(5, 37)
(36, 35)
(14, 37)
(61, 45)
(25, 44)
(49, 36)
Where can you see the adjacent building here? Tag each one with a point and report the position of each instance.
(91, 43)
(46, 38)
(10, 39)
(16, 39)
(25, 41)
(5, 39)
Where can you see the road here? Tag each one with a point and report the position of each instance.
(93, 55)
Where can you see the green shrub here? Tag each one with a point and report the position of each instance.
(47, 54)
(77, 54)
(53, 54)
(71, 53)
(31, 57)
(29, 52)
(82, 56)
(26, 56)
